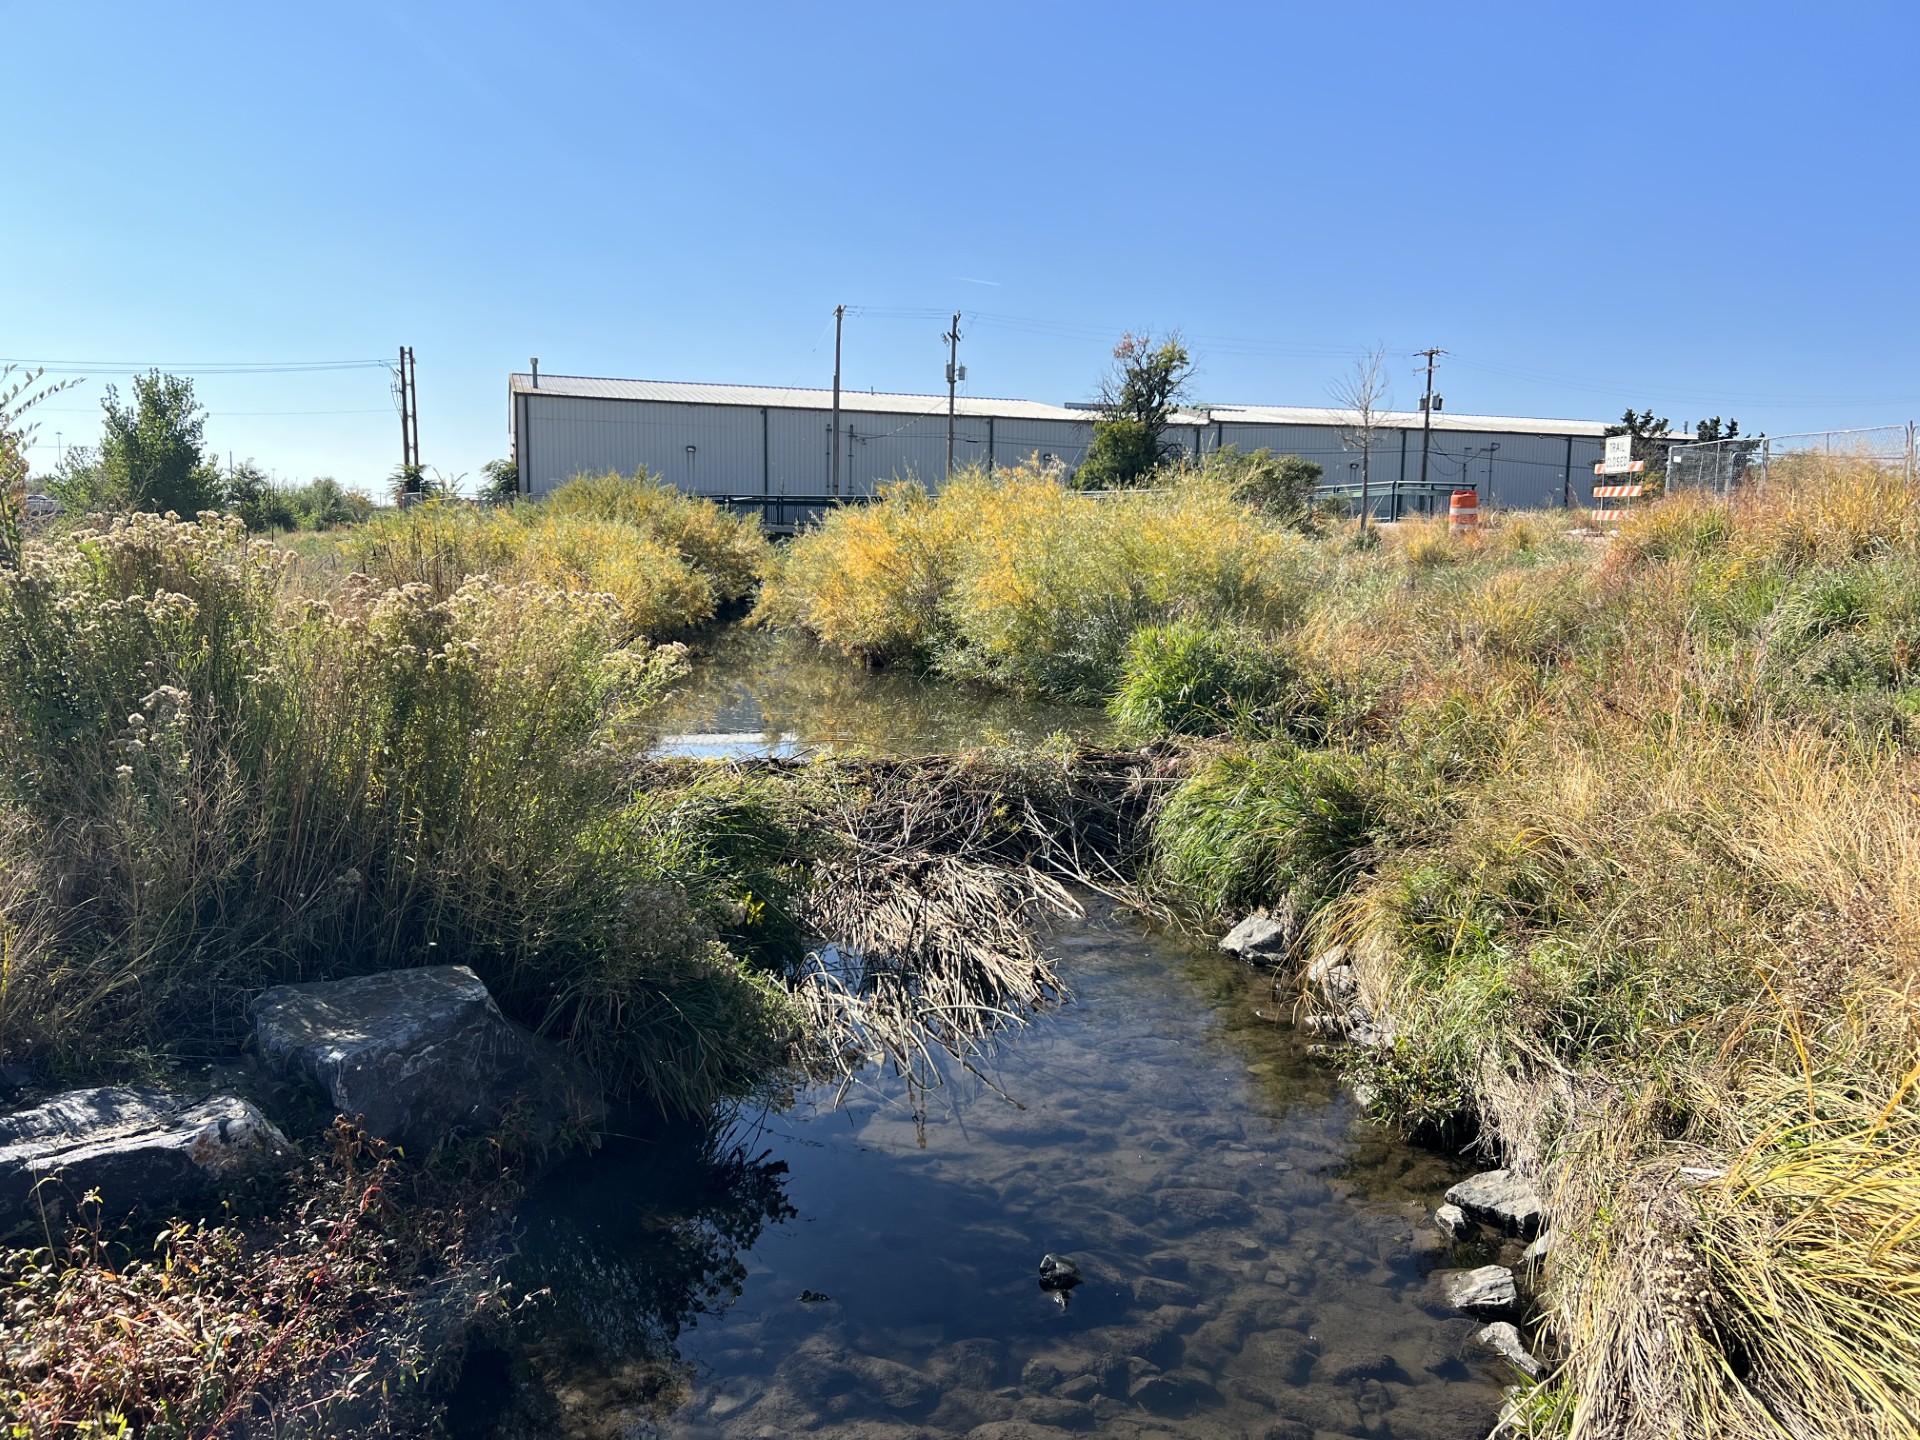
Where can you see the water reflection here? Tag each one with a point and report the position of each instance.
(759, 693)
(1255, 1260)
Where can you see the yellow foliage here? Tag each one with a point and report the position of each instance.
(669, 559)
(1014, 578)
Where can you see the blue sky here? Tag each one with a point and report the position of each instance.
(1701, 208)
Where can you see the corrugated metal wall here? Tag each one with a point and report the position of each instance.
(753, 450)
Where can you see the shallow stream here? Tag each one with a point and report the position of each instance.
(751, 693)
(1257, 1258)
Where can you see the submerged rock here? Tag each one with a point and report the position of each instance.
(421, 1055)
(136, 1146)
(1501, 1199)
(1504, 1340)
(1263, 938)
(1488, 1292)
(1454, 1222)
(1057, 1273)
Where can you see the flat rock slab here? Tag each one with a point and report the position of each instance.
(1488, 1292)
(422, 1055)
(138, 1147)
(1501, 1199)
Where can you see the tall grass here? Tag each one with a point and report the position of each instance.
(1624, 840)
(669, 560)
(215, 788)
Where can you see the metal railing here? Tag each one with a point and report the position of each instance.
(1723, 465)
(785, 512)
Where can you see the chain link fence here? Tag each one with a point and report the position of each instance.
(1721, 466)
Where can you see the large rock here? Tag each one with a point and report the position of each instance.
(420, 1055)
(1488, 1292)
(1501, 1199)
(1504, 1340)
(136, 1146)
(1332, 977)
(1262, 938)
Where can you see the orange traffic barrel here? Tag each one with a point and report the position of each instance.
(1464, 513)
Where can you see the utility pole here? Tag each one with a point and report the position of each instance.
(839, 314)
(409, 420)
(1433, 353)
(952, 337)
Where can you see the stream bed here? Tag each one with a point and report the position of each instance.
(1257, 1257)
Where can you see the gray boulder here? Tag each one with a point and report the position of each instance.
(1488, 1292)
(420, 1055)
(1455, 1223)
(1331, 976)
(1501, 1199)
(1504, 1340)
(136, 1146)
(1263, 939)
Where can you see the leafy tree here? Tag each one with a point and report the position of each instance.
(502, 483)
(1650, 438)
(151, 454)
(410, 483)
(323, 502)
(1146, 385)
(1279, 485)
(251, 496)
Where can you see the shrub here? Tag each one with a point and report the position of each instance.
(1015, 580)
(669, 559)
(872, 581)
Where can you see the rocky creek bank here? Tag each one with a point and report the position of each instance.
(1496, 1216)
(417, 1057)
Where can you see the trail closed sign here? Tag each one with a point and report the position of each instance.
(1619, 456)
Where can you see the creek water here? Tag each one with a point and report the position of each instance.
(751, 693)
(1257, 1258)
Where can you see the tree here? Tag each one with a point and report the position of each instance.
(1278, 485)
(252, 496)
(1650, 438)
(410, 484)
(502, 483)
(151, 454)
(1138, 396)
(1364, 396)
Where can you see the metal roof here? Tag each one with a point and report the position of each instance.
(778, 397)
(1404, 420)
(786, 398)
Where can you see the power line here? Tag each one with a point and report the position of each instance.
(205, 367)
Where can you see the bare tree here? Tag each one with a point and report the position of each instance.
(1364, 396)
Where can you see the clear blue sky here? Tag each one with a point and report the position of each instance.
(1702, 208)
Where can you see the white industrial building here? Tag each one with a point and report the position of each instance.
(752, 445)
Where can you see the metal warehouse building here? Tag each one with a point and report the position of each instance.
(754, 443)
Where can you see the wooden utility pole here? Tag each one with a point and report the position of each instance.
(1433, 353)
(409, 415)
(952, 337)
(839, 314)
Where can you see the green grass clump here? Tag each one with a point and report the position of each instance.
(1185, 678)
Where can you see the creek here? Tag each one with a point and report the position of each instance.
(751, 693)
(1257, 1256)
